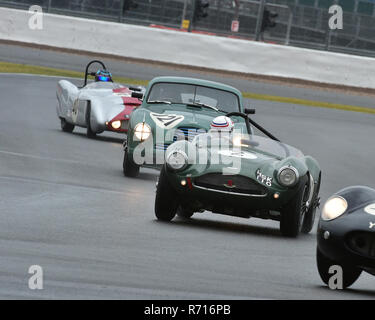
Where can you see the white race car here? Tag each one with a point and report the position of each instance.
(99, 106)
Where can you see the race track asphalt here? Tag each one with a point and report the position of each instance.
(77, 62)
(66, 206)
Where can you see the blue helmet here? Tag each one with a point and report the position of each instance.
(103, 75)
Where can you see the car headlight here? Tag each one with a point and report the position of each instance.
(142, 131)
(288, 176)
(177, 160)
(116, 124)
(334, 207)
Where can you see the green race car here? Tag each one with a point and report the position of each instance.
(240, 174)
(174, 108)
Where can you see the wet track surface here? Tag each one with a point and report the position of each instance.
(66, 206)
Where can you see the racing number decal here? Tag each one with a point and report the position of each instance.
(370, 209)
(166, 121)
(264, 179)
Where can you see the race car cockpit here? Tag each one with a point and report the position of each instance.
(102, 75)
(103, 80)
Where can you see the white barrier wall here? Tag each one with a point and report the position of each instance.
(189, 49)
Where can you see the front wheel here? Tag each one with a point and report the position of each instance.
(293, 214)
(130, 168)
(66, 126)
(309, 220)
(184, 213)
(350, 274)
(166, 200)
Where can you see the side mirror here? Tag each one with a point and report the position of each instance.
(135, 89)
(138, 95)
(249, 111)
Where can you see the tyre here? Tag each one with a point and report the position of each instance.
(130, 168)
(184, 213)
(66, 126)
(350, 274)
(89, 133)
(309, 220)
(166, 200)
(293, 214)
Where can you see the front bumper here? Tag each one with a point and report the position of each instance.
(346, 242)
(263, 203)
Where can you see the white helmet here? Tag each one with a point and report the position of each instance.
(222, 124)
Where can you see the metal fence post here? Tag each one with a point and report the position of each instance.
(49, 5)
(217, 20)
(163, 11)
(121, 11)
(236, 9)
(184, 13)
(192, 16)
(260, 19)
(357, 31)
(289, 29)
(328, 39)
(355, 6)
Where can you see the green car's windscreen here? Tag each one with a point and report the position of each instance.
(192, 94)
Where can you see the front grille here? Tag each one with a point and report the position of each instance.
(124, 125)
(186, 133)
(230, 183)
(362, 243)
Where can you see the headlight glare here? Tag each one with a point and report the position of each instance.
(142, 131)
(288, 176)
(177, 160)
(116, 124)
(334, 207)
(237, 141)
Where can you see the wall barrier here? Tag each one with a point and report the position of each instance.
(188, 49)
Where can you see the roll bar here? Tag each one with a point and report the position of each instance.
(87, 73)
(249, 121)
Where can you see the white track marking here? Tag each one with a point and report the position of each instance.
(71, 185)
(37, 75)
(16, 154)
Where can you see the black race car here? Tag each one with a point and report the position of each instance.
(346, 234)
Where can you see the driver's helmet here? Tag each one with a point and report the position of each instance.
(103, 75)
(222, 124)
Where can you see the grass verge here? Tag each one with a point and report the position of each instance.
(7, 67)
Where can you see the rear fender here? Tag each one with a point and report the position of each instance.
(66, 94)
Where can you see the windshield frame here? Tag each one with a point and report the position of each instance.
(195, 86)
(111, 85)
